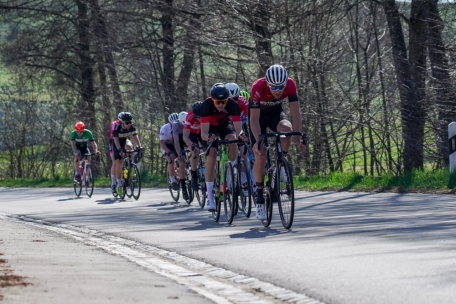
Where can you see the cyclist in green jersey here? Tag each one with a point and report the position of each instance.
(80, 137)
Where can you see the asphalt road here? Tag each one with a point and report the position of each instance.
(342, 248)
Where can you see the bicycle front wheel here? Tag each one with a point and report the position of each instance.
(89, 181)
(217, 196)
(77, 188)
(285, 193)
(135, 182)
(229, 195)
(174, 193)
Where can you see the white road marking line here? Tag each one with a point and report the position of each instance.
(217, 284)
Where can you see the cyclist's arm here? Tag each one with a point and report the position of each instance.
(238, 127)
(117, 143)
(177, 146)
(94, 146)
(163, 146)
(296, 118)
(73, 146)
(186, 137)
(135, 139)
(205, 131)
(254, 121)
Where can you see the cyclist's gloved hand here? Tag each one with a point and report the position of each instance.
(120, 152)
(243, 137)
(141, 152)
(194, 146)
(300, 142)
(98, 153)
(211, 138)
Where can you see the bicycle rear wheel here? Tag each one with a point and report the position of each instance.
(285, 193)
(89, 181)
(77, 188)
(245, 194)
(135, 181)
(229, 196)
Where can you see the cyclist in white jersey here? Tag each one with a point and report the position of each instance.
(167, 148)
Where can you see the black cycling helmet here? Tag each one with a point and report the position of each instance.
(125, 116)
(196, 108)
(219, 92)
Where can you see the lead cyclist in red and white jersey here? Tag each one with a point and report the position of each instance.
(268, 94)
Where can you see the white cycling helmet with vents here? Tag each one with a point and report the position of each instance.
(276, 75)
(172, 117)
(182, 116)
(233, 88)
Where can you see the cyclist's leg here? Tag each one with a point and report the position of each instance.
(284, 125)
(194, 159)
(210, 170)
(113, 164)
(118, 167)
(228, 132)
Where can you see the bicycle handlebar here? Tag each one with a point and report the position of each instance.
(263, 137)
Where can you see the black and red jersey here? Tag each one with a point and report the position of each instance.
(263, 99)
(210, 114)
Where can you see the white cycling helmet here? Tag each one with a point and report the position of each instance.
(276, 75)
(233, 88)
(172, 117)
(182, 116)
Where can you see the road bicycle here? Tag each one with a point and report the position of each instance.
(175, 193)
(224, 183)
(86, 175)
(130, 177)
(243, 183)
(188, 173)
(279, 185)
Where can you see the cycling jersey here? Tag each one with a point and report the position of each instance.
(122, 133)
(166, 133)
(81, 141)
(263, 99)
(244, 105)
(192, 123)
(210, 114)
(112, 127)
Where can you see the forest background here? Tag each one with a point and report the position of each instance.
(375, 79)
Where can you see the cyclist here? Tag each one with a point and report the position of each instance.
(167, 148)
(268, 94)
(128, 147)
(80, 136)
(220, 115)
(246, 95)
(179, 145)
(234, 90)
(192, 137)
(120, 134)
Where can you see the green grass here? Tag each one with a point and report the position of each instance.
(438, 181)
(147, 180)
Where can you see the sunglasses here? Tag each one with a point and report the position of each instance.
(127, 122)
(220, 101)
(277, 88)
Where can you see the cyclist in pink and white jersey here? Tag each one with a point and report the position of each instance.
(128, 146)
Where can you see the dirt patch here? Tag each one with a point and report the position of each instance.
(8, 278)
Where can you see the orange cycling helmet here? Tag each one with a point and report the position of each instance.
(79, 126)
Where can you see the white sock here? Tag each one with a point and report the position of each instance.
(233, 163)
(76, 172)
(172, 179)
(113, 179)
(119, 183)
(209, 188)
